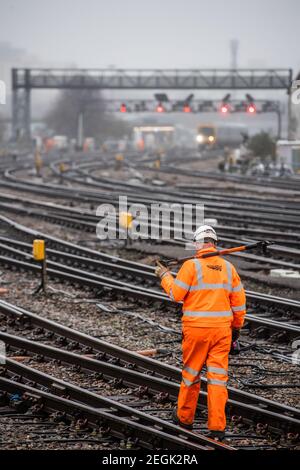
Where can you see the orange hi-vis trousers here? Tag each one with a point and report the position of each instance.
(202, 345)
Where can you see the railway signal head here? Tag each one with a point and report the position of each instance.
(224, 108)
(161, 97)
(251, 108)
(123, 108)
(249, 98)
(186, 108)
(160, 108)
(226, 98)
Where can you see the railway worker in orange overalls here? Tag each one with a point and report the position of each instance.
(213, 313)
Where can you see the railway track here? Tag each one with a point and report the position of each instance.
(141, 162)
(99, 413)
(27, 428)
(284, 254)
(88, 173)
(275, 318)
(142, 390)
(292, 183)
(212, 201)
(227, 212)
(283, 257)
(147, 377)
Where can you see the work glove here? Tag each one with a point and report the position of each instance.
(160, 270)
(235, 334)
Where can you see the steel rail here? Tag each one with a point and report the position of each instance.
(222, 208)
(94, 400)
(89, 253)
(290, 184)
(60, 270)
(215, 194)
(116, 263)
(80, 222)
(129, 359)
(115, 185)
(150, 437)
(135, 270)
(291, 332)
(276, 421)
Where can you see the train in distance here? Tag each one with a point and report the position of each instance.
(211, 136)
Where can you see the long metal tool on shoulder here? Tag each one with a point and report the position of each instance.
(226, 251)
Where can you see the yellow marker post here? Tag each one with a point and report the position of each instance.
(157, 163)
(62, 167)
(126, 222)
(119, 161)
(38, 162)
(126, 219)
(39, 254)
(39, 250)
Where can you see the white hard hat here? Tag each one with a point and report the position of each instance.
(205, 231)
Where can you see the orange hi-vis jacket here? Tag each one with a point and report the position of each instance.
(211, 291)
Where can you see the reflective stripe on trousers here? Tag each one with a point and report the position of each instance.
(217, 376)
(193, 372)
(188, 383)
(223, 383)
(217, 370)
(171, 295)
(210, 381)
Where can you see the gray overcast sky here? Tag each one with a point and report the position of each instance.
(153, 33)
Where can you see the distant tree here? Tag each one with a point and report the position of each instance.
(63, 117)
(262, 145)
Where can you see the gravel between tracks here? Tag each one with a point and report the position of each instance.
(77, 308)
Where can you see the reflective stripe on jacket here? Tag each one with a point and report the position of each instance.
(211, 291)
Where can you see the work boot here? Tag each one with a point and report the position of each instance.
(216, 435)
(177, 421)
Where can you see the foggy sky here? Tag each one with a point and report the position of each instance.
(153, 33)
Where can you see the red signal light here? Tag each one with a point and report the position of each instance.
(186, 108)
(224, 108)
(251, 108)
(123, 108)
(160, 108)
